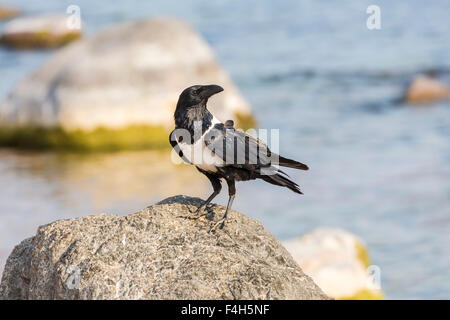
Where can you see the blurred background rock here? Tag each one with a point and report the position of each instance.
(338, 262)
(380, 165)
(37, 32)
(125, 80)
(8, 12)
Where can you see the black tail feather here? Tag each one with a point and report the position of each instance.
(280, 180)
(285, 162)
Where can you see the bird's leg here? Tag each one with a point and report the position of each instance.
(231, 193)
(196, 214)
(217, 186)
(204, 204)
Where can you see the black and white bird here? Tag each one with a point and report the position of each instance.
(221, 152)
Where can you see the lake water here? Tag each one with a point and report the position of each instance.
(379, 169)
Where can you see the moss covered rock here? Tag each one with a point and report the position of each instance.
(127, 75)
(337, 261)
(41, 31)
(133, 137)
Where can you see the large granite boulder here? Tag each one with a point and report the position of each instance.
(39, 31)
(157, 253)
(127, 75)
(338, 262)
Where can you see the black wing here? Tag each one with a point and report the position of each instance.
(237, 148)
(242, 150)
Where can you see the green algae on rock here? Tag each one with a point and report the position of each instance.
(38, 40)
(366, 294)
(133, 137)
(40, 31)
(245, 121)
(362, 254)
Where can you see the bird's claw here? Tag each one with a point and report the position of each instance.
(199, 209)
(192, 217)
(194, 214)
(219, 224)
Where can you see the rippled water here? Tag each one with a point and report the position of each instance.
(378, 168)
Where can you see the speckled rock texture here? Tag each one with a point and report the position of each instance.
(160, 252)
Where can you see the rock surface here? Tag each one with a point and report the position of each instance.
(157, 253)
(426, 89)
(130, 74)
(41, 31)
(337, 261)
(8, 13)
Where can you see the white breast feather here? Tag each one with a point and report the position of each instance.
(200, 155)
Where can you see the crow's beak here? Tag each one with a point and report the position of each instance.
(208, 91)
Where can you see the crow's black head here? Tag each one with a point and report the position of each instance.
(197, 95)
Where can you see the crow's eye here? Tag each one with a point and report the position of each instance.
(196, 92)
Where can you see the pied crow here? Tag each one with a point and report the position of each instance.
(221, 152)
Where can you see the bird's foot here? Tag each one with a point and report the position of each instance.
(197, 211)
(219, 224)
(190, 216)
(194, 214)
